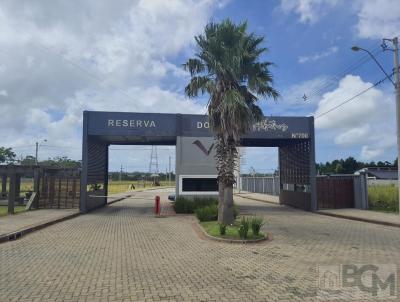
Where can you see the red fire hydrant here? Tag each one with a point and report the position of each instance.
(157, 208)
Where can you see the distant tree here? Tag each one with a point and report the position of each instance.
(7, 155)
(349, 166)
(339, 169)
(62, 162)
(29, 160)
(58, 161)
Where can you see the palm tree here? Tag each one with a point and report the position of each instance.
(227, 67)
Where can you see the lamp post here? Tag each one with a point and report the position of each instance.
(396, 84)
(37, 150)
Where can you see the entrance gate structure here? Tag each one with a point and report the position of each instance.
(195, 169)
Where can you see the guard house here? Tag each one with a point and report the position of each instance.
(196, 173)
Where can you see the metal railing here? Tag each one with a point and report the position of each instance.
(264, 185)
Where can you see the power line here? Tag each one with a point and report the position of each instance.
(326, 83)
(354, 97)
(353, 66)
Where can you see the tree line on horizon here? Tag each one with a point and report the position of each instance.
(8, 156)
(137, 176)
(349, 166)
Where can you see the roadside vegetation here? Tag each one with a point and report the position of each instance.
(17, 209)
(243, 228)
(115, 187)
(383, 198)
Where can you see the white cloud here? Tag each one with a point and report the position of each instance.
(318, 56)
(354, 136)
(370, 153)
(62, 57)
(378, 19)
(368, 121)
(292, 101)
(309, 11)
(352, 113)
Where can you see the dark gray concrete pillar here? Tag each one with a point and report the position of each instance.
(12, 193)
(3, 185)
(85, 158)
(18, 190)
(313, 176)
(36, 187)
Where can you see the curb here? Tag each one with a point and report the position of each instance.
(268, 237)
(18, 234)
(256, 199)
(119, 199)
(386, 223)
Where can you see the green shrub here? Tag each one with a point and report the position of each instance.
(243, 229)
(383, 198)
(256, 224)
(184, 205)
(235, 211)
(204, 202)
(222, 229)
(207, 213)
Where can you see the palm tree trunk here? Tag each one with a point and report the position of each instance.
(226, 157)
(221, 192)
(227, 206)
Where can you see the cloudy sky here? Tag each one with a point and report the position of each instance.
(58, 58)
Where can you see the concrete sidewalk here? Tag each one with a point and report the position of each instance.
(14, 226)
(364, 215)
(353, 214)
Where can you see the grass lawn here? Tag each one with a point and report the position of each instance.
(212, 228)
(123, 186)
(383, 198)
(17, 209)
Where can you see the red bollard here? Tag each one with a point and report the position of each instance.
(157, 208)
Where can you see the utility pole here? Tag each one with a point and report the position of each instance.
(396, 84)
(396, 71)
(120, 174)
(153, 165)
(395, 42)
(37, 151)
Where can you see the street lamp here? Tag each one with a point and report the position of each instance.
(356, 48)
(396, 84)
(37, 150)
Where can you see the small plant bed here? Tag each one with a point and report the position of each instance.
(242, 230)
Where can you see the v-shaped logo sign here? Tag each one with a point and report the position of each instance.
(202, 148)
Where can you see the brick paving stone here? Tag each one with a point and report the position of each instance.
(123, 253)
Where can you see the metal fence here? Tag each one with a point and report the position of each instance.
(334, 191)
(265, 185)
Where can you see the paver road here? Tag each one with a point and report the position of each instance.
(123, 253)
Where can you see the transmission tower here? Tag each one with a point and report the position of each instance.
(153, 166)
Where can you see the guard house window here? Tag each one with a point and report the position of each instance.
(199, 185)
